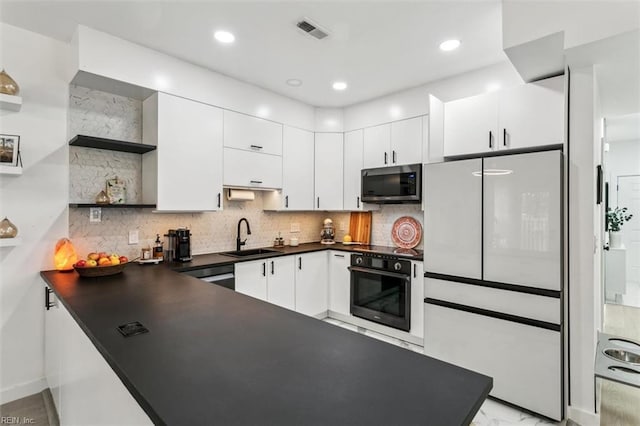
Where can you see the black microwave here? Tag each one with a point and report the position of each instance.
(392, 185)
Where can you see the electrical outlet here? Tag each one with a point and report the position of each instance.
(343, 225)
(95, 214)
(295, 227)
(133, 237)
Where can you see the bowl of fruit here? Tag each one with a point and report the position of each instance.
(101, 265)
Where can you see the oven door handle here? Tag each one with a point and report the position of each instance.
(378, 272)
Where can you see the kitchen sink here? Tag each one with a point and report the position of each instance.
(250, 252)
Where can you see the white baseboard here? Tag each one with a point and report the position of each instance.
(22, 390)
(582, 417)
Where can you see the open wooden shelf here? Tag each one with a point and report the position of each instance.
(10, 170)
(113, 206)
(10, 102)
(10, 242)
(110, 144)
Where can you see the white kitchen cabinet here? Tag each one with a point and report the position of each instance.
(251, 278)
(185, 172)
(522, 219)
(247, 169)
(525, 116)
(281, 282)
(471, 125)
(329, 163)
(297, 173)
(353, 165)
(525, 361)
(453, 218)
(406, 141)
(377, 144)
(311, 283)
(340, 283)
(85, 388)
(417, 299)
(254, 134)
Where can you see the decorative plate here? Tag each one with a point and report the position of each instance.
(406, 232)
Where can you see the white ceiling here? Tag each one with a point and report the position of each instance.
(377, 47)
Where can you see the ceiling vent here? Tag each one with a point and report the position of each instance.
(311, 28)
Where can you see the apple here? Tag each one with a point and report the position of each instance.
(91, 263)
(115, 260)
(81, 263)
(102, 255)
(93, 256)
(123, 259)
(104, 261)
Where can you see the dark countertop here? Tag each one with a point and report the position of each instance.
(214, 356)
(217, 259)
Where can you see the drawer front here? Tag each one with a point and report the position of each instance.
(540, 308)
(252, 134)
(524, 361)
(252, 169)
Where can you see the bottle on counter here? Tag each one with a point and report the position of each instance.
(158, 250)
(146, 253)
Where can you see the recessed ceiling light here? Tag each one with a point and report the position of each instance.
(449, 45)
(224, 36)
(339, 85)
(294, 82)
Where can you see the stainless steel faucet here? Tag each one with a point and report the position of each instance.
(240, 243)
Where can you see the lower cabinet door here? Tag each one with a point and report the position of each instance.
(251, 278)
(311, 283)
(339, 282)
(281, 282)
(524, 361)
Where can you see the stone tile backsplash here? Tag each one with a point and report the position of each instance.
(106, 115)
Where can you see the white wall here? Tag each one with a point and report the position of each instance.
(415, 101)
(36, 201)
(105, 55)
(623, 158)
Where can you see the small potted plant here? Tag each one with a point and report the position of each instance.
(615, 219)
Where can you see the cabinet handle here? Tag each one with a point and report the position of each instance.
(504, 137)
(339, 255)
(358, 202)
(47, 299)
(490, 139)
(264, 269)
(385, 157)
(318, 202)
(219, 200)
(256, 181)
(286, 201)
(415, 273)
(299, 263)
(393, 157)
(272, 267)
(255, 146)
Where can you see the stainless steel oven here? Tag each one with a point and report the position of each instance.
(381, 289)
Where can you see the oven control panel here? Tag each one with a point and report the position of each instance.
(382, 262)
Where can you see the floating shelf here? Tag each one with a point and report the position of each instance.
(110, 144)
(113, 206)
(10, 102)
(10, 170)
(10, 242)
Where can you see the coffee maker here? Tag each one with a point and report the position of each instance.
(179, 245)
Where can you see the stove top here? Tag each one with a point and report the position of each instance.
(397, 251)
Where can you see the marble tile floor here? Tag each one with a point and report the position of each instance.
(492, 413)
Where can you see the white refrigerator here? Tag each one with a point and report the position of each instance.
(493, 273)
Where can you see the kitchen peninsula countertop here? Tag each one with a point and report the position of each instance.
(214, 356)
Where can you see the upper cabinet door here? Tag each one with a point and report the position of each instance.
(297, 169)
(406, 141)
(353, 151)
(189, 154)
(329, 158)
(471, 125)
(246, 169)
(532, 114)
(453, 218)
(522, 219)
(377, 144)
(252, 134)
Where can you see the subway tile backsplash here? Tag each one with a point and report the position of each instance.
(106, 115)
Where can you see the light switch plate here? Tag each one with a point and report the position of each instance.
(95, 214)
(133, 237)
(295, 227)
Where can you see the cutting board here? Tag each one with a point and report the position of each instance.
(360, 227)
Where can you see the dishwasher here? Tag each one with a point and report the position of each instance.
(220, 275)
